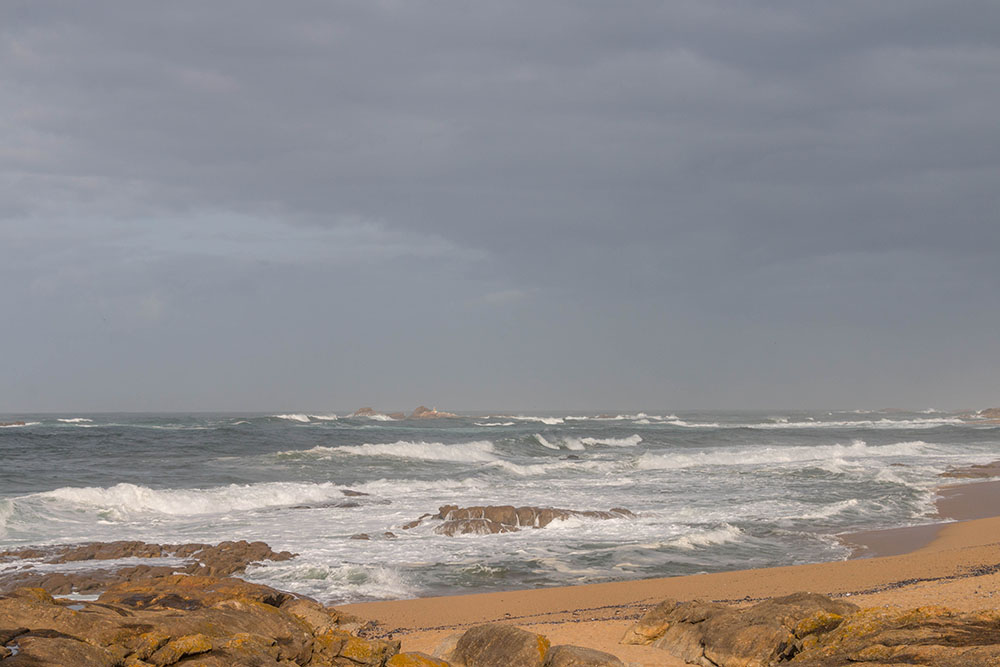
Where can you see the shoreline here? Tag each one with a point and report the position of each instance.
(952, 562)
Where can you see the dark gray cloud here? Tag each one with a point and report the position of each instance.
(567, 204)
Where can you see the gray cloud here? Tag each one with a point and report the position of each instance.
(246, 205)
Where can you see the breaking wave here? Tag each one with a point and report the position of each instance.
(706, 538)
(75, 420)
(120, 501)
(479, 451)
(578, 444)
(764, 455)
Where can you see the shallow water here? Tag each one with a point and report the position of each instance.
(713, 490)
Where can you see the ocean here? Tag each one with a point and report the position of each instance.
(712, 491)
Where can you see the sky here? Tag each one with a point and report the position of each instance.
(572, 204)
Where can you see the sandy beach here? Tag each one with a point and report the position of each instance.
(954, 562)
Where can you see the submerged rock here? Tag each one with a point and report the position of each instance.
(491, 519)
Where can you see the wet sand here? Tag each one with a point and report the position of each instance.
(956, 564)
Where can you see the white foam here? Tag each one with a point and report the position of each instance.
(858, 449)
(828, 511)
(705, 538)
(324, 418)
(75, 420)
(465, 452)
(630, 441)
(121, 501)
(343, 581)
(549, 421)
(297, 417)
(494, 423)
(6, 512)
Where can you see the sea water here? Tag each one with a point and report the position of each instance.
(712, 491)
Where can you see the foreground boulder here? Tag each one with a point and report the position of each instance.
(496, 645)
(491, 519)
(220, 560)
(809, 629)
(189, 620)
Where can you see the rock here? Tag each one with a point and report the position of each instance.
(364, 412)
(808, 629)
(397, 415)
(491, 519)
(710, 633)
(496, 645)
(416, 659)
(189, 620)
(974, 471)
(179, 648)
(988, 413)
(12, 423)
(578, 656)
(360, 536)
(222, 559)
(922, 636)
(423, 412)
(48, 648)
(353, 494)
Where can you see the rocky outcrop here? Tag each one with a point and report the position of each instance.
(423, 412)
(809, 629)
(706, 633)
(365, 412)
(975, 471)
(990, 413)
(175, 619)
(220, 560)
(491, 519)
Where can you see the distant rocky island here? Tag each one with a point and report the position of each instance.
(422, 412)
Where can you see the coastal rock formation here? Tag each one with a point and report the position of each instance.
(496, 645)
(810, 629)
(423, 412)
(711, 633)
(975, 471)
(169, 620)
(364, 412)
(990, 413)
(491, 519)
(12, 423)
(219, 560)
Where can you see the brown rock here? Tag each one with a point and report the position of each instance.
(178, 648)
(360, 536)
(922, 636)
(492, 519)
(397, 415)
(709, 633)
(47, 648)
(578, 656)
(416, 659)
(364, 412)
(974, 471)
(222, 559)
(496, 645)
(990, 413)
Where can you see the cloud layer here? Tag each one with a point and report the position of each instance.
(244, 205)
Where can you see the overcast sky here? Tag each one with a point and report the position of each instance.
(244, 205)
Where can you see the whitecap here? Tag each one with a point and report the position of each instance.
(705, 538)
(297, 417)
(75, 420)
(465, 452)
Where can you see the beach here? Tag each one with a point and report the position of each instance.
(954, 564)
